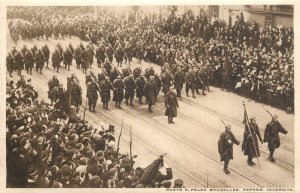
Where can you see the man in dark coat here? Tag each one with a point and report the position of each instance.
(250, 142)
(171, 104)
(29, 61)
(225, 148)
(10, 64)
(130, 85)
(167, 81)
(39, 60)
(119, 55)
(179, 79)
(56, 60)
(100, 55)
(118, 91)
(46, 53)
(78, 56)
(19, 62)
(150, 92)
(68, 58)
(140, 83)
(90, 53)
(190, 83)
(271, 135)
(85, 60)
(105, 87)
(92, 95)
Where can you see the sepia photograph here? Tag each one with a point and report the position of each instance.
(176, 97)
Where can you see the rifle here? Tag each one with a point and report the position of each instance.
(247, 122)
(267, 111)
(130, 149)
(118, 147)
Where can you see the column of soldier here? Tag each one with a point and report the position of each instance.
(254, 62)
(47, 148)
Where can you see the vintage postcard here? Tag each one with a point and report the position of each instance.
(196, 96)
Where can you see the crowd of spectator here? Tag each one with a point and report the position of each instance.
(48, 148)
(251, 60)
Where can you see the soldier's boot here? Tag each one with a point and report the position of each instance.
(106, 104)
(94, 106)
(187, 94)
(30, 71)
(194, 95)
(271, 158)
(226, 171)
(131, 104)
(65, 67)
(126, 102)
(249, 161)
(197, 91)
(120, 105)
(90, 108)
(203, 92)
(208, 88)
(169, 120)
(68, 67)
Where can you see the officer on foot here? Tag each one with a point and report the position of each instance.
(225, 148)
(271, 135)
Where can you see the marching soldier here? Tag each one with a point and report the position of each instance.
(90, 53)
(84, 61)
(137, 72)
(271, 135)
(68, 58)
(190, 83)
(105, 87)
(56, 60)
(100, 55)
(78, 56)
(118, 91)
(46, 53)
(225, 143)
(150, 91)
(92, 95)
(167, 81)
(29, 61)
(10, 64)
(119, 55)
(109, 53)
(114, 74)
(19, 62)
(102, 75)
(250, 142)
(107, 66)
(140, 82)
(179, 79)
(130, 85)
(171, 104)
